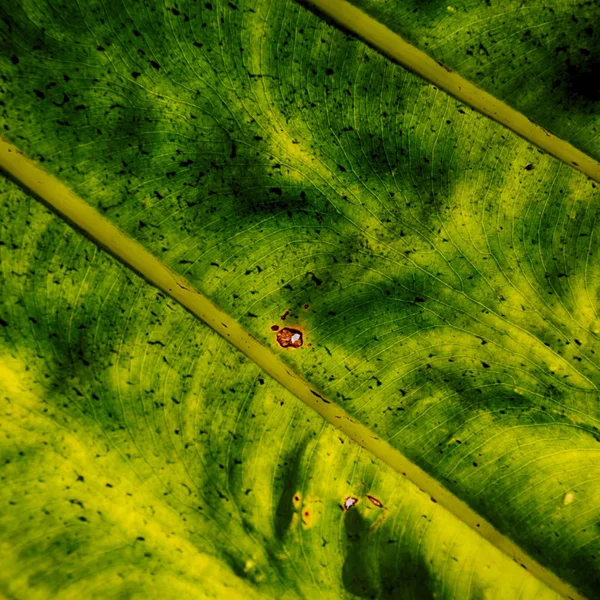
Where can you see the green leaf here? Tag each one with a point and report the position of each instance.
(439, 267)
(540, 57)
(144, 456)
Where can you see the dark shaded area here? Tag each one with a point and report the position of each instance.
(583, 81)
(367, 574)
(287, 485)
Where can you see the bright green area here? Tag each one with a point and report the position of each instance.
(442, 269)
(145, 457)
(541, 57)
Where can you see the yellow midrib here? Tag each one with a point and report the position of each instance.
(134, 256)
(398, 49)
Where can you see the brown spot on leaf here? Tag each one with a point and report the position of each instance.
(274, 327)
(307, 519)
(374, 501)
(297, 499)
(290, 337)
(284, 315)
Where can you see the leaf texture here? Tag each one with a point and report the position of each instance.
(441, 269)
(144, 456)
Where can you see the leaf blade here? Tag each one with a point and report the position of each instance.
(539, 57)
(134, 256)
(459, 277)
(121, 483)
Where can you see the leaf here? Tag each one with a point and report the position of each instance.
(144, 456)
(540, 57)
(440, 268)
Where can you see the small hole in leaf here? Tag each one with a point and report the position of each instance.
(290, 337)
(375, 501)
(349, 502)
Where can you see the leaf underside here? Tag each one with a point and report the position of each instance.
(440, 268)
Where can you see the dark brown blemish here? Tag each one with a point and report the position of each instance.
(284, 315)
(290, 337)
(374, 501)
(445, 67)
(319, 396)
(274, 327)
(349, 502)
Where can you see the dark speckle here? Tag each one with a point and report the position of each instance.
(319, 396)
(39, 94)
(14, 60)
(155, 64)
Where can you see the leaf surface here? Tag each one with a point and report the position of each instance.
(540, 57)
(144, 456)
(440, 268)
